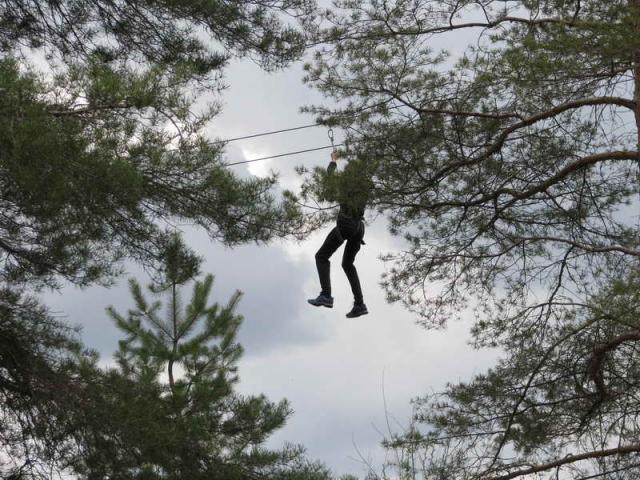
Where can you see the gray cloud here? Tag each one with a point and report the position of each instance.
(272, 303)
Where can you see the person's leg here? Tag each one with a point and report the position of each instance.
(349, 256)
(350, 251)
(330, 245)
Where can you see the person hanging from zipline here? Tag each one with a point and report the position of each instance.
(350, 189)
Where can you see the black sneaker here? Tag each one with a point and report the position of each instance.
(357, 310)
(322, 301)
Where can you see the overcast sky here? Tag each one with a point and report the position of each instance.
(332, 369)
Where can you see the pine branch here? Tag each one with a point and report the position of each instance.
(568, 460)
(488, 25)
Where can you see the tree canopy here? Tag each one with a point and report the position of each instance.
(102, 113)
(170, 410)
(39, 365)
(505, 137)
(103, 109)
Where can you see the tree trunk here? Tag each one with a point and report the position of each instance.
(174, 349)
(635, 8)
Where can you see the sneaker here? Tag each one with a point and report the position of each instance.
(321, 301)
(357, 310)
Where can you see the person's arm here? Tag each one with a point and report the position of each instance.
(333, 163)
(330, 187)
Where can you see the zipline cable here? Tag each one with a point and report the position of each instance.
(283, 155)
(227, 140)
(263, 134)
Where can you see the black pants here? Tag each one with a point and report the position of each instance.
(351, 230)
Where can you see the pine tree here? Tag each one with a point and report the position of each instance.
(103, 113)
(505, 137)
(170, 409)
(42, 360)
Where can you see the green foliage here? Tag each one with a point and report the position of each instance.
(104, 141)
(506, 150)
(103, 108)
(169, 409)
(164, 32)
(556, 386)
(506, 137)
(83, 187)
(40, 363)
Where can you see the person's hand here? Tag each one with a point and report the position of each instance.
(334, 156)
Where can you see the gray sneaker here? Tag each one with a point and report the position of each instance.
(357, 310)
(321, 301)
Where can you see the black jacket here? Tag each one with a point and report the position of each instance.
(350, 188)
